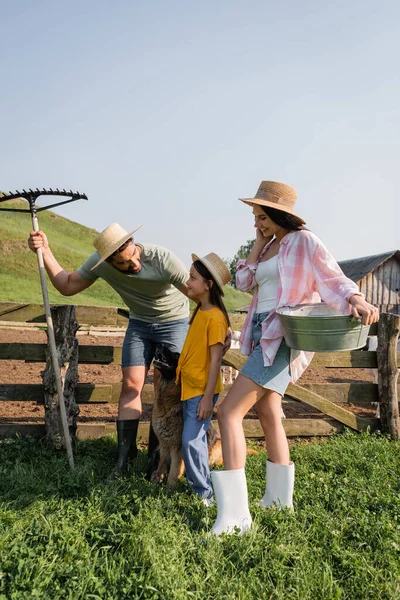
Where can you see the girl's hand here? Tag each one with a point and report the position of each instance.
(205, 408)
(362, 310)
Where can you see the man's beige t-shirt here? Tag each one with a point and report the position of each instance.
(151, 295)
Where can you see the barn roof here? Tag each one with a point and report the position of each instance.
(357, 268)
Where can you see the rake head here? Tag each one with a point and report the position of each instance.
(32, 195)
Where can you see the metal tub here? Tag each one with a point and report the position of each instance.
(321, 328)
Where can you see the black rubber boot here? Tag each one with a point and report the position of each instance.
(126, 432)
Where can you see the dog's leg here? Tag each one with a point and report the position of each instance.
(177, 467)
(162, 469)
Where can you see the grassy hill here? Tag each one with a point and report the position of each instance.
(71, 244)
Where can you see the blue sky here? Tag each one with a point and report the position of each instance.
(165, 113)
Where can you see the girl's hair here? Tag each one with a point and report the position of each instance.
(283, 219)
(215, 292)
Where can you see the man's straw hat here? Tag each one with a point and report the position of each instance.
(109, 240)
(217, 268)
(275, 195)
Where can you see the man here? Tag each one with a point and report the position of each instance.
(151, 281)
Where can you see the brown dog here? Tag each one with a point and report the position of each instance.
(167, 422)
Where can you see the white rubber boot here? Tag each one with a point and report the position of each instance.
(280, 484)
(230, 489)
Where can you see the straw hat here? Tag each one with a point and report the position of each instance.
(276, 195)
(109, 240)
(217, 268)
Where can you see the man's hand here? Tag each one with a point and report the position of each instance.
(228, 340)
(362, 310)
(37, 239)
(205, 408)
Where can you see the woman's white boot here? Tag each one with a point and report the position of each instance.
(230, 489)
(280, 484)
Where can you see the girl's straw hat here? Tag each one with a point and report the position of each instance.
(109, 240)
(276, 195)
(217, 268)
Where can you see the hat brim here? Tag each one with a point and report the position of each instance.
(214, 273)
(261, 202)
(115, 246)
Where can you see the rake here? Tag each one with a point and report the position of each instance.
(31, 197)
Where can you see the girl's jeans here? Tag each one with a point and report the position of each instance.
(195, 449)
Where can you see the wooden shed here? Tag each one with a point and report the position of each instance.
(378, 277)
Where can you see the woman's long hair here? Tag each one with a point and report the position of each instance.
(284, 219)
(215, 292)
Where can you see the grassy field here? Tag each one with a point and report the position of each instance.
(70, 536)
(71, 244)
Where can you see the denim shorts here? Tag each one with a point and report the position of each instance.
(142, 339)
(276, 377)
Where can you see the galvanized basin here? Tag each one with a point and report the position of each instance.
(321, 328)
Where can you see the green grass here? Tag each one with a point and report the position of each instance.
(69, 536)
(71, 244)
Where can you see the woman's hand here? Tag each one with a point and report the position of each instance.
(205, 408)
(362, 310)
(261, 239)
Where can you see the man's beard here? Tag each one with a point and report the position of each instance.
(132, 272)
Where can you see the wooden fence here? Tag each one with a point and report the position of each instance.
(328, 398)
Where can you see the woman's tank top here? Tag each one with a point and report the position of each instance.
(267, 278)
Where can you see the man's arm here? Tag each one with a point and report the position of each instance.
(66, 283)
(184, 290)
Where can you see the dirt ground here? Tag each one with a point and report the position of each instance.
(21, 372)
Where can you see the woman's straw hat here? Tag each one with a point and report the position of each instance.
(109, 240)
(217, 268)
(276, 195)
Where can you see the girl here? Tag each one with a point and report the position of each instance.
(199, 367)
(287, 265)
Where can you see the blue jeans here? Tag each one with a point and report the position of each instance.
(195, 449)
(142, 338)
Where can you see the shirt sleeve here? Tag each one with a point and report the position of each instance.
(174, 270)
(217, 331)
(332, 284)
(85, 270)
(245, 275)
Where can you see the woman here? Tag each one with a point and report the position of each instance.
(287, 265)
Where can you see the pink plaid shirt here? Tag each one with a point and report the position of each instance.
(307, 273)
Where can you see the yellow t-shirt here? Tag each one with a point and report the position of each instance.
(208, 328)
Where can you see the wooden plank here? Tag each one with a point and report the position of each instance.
(357, 359)
(89, 315)
(351, 393)
(252, 427)
(17, 311)
(20, 351)
(36, 353)
(389, 329)
(233, 358)
(8, 430)
(86, 393)
(22, 392)
(327, 407)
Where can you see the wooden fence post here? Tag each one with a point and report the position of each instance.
(388, 333)
(65, 328)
